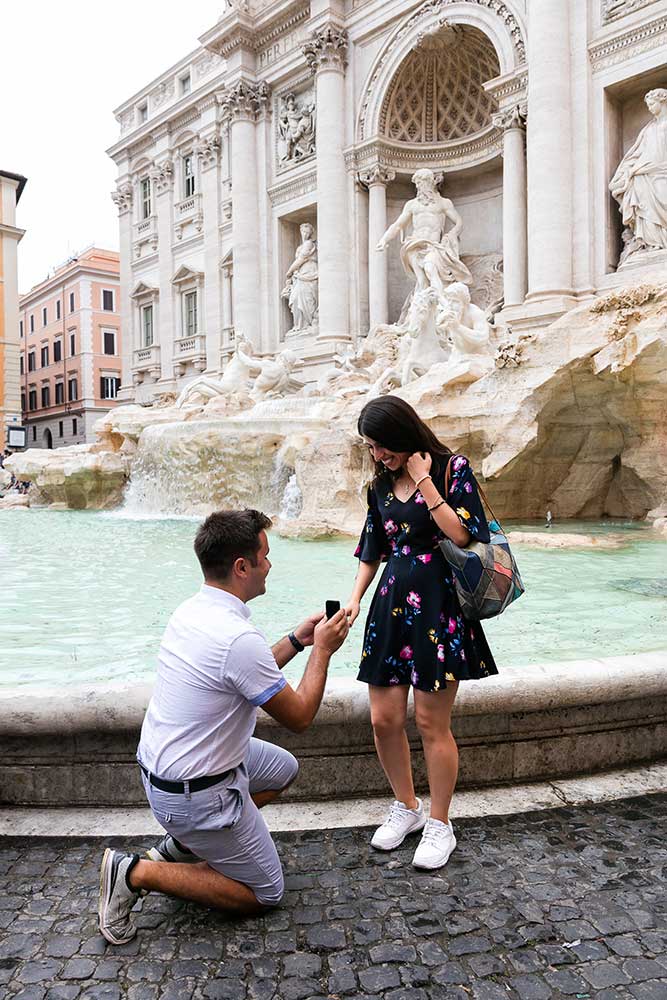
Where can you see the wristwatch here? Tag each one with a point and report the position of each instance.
(299, 646)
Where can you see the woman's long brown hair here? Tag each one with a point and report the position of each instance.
(393, 423)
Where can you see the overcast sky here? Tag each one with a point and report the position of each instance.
(65, 65)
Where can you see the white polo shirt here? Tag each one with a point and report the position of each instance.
(214, 668)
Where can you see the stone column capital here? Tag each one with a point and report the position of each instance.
(207, 149)
(377, 175)
(326, 49)
(123, 197)
(511, 118)
(162, 175)
(245, 101)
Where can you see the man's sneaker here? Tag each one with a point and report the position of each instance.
(437, 843)
(169, 849)
(399, 823)
(116, 897)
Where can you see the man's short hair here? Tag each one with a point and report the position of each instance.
(228, 535)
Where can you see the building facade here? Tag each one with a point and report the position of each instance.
(11, 187)
(277, 152)
(71, 348)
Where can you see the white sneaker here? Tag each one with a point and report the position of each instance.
(437, 843)
(399, 823)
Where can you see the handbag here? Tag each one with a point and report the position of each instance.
(486, 576)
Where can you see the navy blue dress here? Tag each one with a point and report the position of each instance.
(415, 631)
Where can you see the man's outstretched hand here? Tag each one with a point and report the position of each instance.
(306, 630)
(331, 633)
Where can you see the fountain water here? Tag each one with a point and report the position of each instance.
(292, 501)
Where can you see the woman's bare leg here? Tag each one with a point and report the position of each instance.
(388, 716)
(433, 714)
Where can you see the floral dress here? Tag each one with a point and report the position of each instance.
(415, 631)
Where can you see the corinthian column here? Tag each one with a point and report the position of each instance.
(376, 179)
(512, 122)
(325, 53)
(549, 151)
(242, 104)
(123, 197)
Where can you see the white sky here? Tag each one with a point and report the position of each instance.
(64, 66)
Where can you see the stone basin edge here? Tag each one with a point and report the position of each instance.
(119, 706)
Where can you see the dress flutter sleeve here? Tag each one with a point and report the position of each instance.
(373, 544)
(463, 497)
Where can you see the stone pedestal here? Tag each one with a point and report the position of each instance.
(325, 52)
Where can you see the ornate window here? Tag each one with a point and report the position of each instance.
(437, 94)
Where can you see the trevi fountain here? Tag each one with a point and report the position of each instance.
(558, 397)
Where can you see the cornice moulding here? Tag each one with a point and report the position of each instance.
(632, 41)
(293, 188)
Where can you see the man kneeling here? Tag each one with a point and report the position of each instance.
(205, 775)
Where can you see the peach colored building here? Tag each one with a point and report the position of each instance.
(69, 329)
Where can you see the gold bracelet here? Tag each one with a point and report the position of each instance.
(427, 476)
(436, 505)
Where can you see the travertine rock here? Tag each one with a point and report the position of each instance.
(79, 477)
(576, 424)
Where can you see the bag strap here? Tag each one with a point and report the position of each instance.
(448, 477)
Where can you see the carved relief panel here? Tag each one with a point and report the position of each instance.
(295, 117)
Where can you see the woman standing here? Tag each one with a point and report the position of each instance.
(415, 633)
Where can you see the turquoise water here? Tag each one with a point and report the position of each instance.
(85, 595)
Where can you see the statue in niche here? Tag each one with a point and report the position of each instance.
(640, 182)
(296, 125)
(300, 288)
(429, 254)
(272, 376)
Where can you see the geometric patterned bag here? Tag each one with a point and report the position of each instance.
(485, 574)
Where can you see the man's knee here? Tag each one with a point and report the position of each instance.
(272, 894)
(291, 769)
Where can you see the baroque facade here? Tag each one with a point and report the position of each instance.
(257, 176)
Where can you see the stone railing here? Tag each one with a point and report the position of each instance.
(146, 361)
(186, 348)
(188, 210)
(145, 231)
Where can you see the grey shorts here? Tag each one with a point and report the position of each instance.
(223, 826)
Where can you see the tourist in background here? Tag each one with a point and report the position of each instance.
(416, 636)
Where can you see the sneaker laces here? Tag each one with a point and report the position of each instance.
(434, 834)
(395, 817)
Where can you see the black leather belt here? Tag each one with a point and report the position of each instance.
(178, 787)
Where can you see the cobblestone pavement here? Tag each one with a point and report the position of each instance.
(537, 906)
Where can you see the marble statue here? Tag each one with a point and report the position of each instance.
(199, 392)
(272, 376)
(296, 125)
(429, 253)
(422, 348)
(640, 182)
(301, 289)
(236, 376)
(466, 324)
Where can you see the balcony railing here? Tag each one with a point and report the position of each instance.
(189, 348)
(188, 210)
(146, 358)
(145, 231)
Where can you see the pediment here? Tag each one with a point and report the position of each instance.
(186, 274)
(141, 289)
